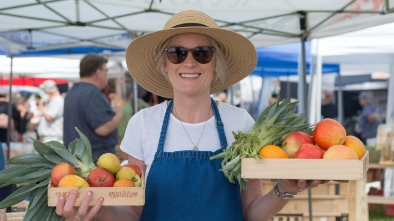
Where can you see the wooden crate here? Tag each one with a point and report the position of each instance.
(18, 212)
(113, 196)
(309, 169)
(385, 143)
(331, 201)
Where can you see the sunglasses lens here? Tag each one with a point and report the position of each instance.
(202, 54)
(176, 54)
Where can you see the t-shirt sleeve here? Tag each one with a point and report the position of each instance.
(97, 110)
(248, 122)
(132, 141)
(55, 107)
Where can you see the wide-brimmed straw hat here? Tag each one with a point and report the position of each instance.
(140, 55)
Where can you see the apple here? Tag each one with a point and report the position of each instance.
(135, 167)
(100, 177)
(61, 170)
(125, 173)
(309, 151)
(295, 140)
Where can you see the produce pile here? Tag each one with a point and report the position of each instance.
(72, 167)
(279, 133)
(275, 122)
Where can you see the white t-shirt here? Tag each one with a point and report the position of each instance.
(143, 132)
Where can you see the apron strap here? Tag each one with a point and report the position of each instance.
(219, 125)
(163, 133)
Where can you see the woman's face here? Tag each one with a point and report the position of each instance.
(190, 77)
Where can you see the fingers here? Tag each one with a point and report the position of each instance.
(96, 208)
(66, 208)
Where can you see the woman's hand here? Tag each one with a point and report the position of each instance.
(295, 186)
(66, 208)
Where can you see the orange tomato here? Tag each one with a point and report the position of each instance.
(272, 151)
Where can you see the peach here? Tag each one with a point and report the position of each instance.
(135, 167)
(125, 173)
(295, 140)
(100, 177)
(109, 161)
(328, 132)
(340, 152)
(73, 181)
(123, 183)
(356, 145)
(60, 171)
(309, 151)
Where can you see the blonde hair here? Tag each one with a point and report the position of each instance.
(221, 68)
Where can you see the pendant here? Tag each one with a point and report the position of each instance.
(195, 148)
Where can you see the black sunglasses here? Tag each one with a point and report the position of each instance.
(178, 54)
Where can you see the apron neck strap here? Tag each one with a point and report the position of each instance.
(219, 127)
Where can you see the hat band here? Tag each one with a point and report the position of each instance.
(188, 25)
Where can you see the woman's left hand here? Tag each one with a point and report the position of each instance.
(295, 186)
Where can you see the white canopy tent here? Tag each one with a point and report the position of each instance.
(46, 24)
(114, 23)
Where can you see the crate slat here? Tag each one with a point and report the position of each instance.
(310, 169)
(113, 196)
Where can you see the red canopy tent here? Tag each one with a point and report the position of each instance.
(29, 81)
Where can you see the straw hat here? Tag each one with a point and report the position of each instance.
(238, 50)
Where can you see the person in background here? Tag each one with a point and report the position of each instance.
(370, 117)
(4, 118)
(23, 106)
(172, 142)
(328, 107)
(50, 125)
(86, 108)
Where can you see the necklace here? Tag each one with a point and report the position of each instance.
(195, 146)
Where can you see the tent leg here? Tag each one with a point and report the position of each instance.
(302, 96)
(9, 113)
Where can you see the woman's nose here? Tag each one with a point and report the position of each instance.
(190, 61)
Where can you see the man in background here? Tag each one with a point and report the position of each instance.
(370, 117)
(4, 118)
(87, 109)
(50, 126)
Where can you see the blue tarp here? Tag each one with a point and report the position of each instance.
(282, 60)
(68, 51)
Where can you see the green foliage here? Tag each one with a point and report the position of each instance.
(273, 124)
(33, 172)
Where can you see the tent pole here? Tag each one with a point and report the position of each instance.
(302, 95)
(340, 99)
(390, 97)
(9, 112)
(135, 96)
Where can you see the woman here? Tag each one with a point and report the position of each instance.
(172, 142)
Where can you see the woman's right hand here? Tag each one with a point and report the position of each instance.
(66, 208)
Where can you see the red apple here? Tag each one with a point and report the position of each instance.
(60, 171)
(295, 140)
(100, 177)
(309, 151)
(135, 167)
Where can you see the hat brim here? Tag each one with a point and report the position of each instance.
(240, 54)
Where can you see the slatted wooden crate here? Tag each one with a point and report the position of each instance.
(113, 196)
(385, 143)
(309, 169)
(330, 202)
(17, 213)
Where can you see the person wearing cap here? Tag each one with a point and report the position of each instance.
(50, 125)
(89, 110)
(370, 117)
(173, 141)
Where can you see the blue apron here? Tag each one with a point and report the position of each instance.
(187, 185)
